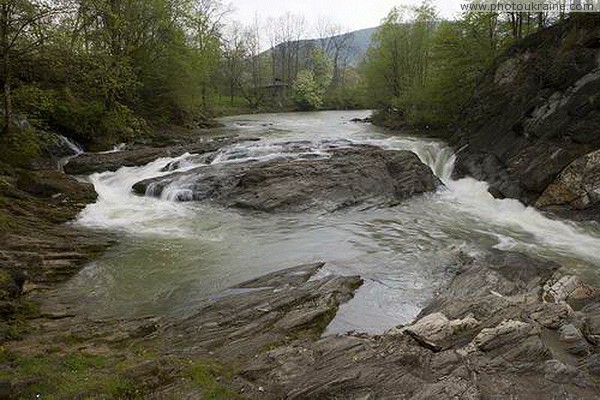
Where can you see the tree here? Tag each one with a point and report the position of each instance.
(18, 35)
(250, 84)
(335, 42)
(308, 94)
(399, 60)
(284, 35)
(322, 69)
(234, 58)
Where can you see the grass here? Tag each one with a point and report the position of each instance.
(207, 375)
(14, 326)
(79, 375)
(76, 375)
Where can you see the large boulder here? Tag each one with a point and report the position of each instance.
(349, 177)
(535, 112)
(577, 187)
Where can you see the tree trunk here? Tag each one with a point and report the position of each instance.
(4, 22)
(7, 100)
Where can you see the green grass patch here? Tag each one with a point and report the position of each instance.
(76, 375)
(17, 313)
(208, 375)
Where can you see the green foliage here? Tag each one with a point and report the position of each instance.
(322, 68)
(19, 146)
(100, 71)
(422, 71)
(308, 94)
(399, 59)
(34, 101)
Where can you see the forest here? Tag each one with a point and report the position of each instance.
(106, 71)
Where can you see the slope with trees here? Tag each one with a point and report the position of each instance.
(422, 70)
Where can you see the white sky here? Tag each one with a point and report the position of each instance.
(351, 14)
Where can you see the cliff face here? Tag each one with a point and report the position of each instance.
(535, 113)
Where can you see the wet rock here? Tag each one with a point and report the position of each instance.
(208, 124)
(591, 328)
(533, 115)
(350, 177)
(367, 120)
(263, 312)
(493, 288)
(89, 163)
(55, 184)
(570, 334)
(189, 161)
(35, 240)
(270, 328)
(578, 186)
(436, 332)
(592, 363)
(574, 340)
(568, 288)
(557, 372)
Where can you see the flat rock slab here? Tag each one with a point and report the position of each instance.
(349, 177)
(277, 308)
(90, 163)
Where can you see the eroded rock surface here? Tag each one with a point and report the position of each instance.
(350, 176)
(577, 187)
(137, 155)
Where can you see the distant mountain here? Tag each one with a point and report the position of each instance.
(358, 44)
(353, 51)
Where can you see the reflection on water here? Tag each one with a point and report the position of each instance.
(173, 256)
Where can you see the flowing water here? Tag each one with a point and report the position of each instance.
(173, 256)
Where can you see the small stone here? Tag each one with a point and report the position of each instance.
(557, 372)
(552, 315)
(436, 332)
(570, 334)
(507, 333)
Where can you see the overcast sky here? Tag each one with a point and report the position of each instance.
(351, 14)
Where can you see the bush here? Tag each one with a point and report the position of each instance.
(91, 124)
(19, 146)
(34, 101)
(308, 95)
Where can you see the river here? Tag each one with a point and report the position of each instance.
(172, 257)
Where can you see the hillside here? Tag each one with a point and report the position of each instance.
(355, 47)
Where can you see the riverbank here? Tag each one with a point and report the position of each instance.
(506, 326)
(39, 248)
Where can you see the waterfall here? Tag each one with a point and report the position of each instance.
(72, 145)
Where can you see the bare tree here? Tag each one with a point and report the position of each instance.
(285, 34)
(336, 43)
(234, 57)
(250, 87)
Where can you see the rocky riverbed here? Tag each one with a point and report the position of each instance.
(506, 326)
(501, 323)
